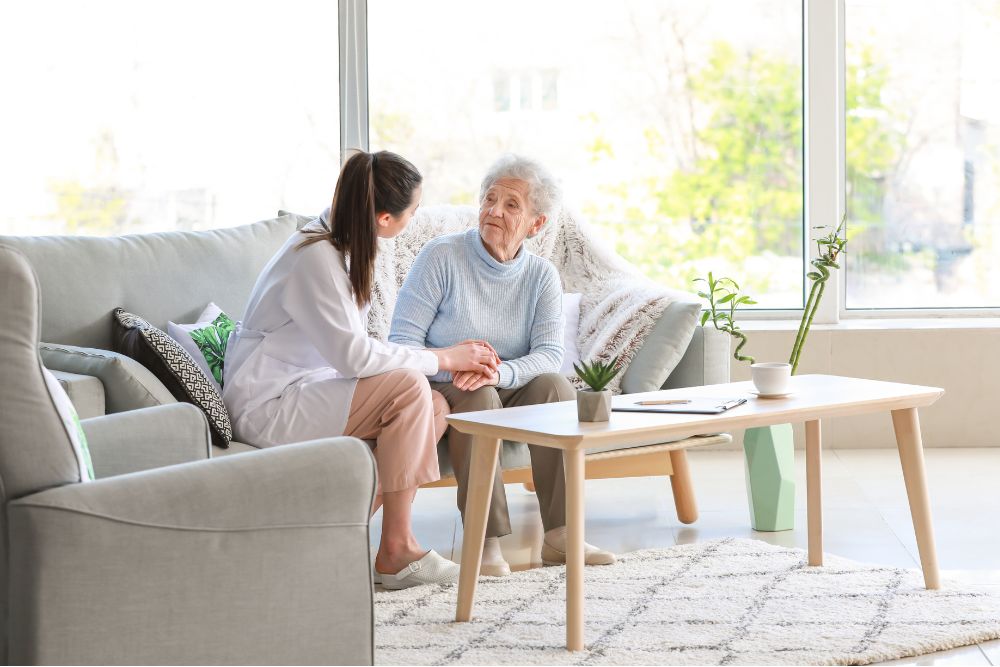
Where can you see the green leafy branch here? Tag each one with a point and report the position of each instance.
(725, 292)
(828, 248)
(597, 374)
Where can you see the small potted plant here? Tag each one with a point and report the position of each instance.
(594, 404)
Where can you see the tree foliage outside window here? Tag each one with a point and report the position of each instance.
(742, 195)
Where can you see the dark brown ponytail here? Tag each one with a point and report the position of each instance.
(369, 184)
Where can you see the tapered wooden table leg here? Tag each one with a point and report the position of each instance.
(680, 484)
(911, 457)
(574, 465)
(814, 490)
(485, 451)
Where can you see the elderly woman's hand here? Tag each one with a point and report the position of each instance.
(471, 381)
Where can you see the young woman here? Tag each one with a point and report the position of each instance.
(301, 364)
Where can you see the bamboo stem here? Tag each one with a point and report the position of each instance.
(822, 287)
(800, 337)
(743, 341)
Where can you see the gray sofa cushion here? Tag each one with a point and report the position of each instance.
(705, 362)
(170, 275)
(663, 348)
(85, 391)
(127, 384)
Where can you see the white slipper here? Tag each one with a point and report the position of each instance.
(554, 550)
(431, 569)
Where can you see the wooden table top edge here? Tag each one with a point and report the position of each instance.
(728, 421)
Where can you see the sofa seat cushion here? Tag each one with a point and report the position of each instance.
(235, 447)
(85, 391)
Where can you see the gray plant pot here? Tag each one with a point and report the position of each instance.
(593, 406)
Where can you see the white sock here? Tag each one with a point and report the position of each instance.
(491, 552)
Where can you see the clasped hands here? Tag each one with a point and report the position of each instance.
(482, 368)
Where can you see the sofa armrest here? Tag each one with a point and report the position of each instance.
(705, 362)
(128, 385)
(148, 438)
(256, 558)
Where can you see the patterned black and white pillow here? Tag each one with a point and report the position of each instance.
(173, 366)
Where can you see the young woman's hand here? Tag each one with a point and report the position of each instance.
(471, 381)
(471, 355)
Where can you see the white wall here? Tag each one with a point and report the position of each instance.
(962, 357)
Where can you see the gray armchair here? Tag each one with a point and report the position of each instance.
(258, 558)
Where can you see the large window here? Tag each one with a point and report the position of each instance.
(675, 127)
(130, 116)
(923, 153)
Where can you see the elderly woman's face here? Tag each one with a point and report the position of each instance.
(506, 218)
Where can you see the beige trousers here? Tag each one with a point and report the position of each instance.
(406, 419)
(546, 462)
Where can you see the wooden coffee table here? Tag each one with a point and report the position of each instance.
(813, 398)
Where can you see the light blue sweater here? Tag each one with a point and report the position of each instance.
(456, 291)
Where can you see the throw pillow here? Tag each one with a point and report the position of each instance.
(174, 367)
(71, 421)
(571, 327)
(206, 341)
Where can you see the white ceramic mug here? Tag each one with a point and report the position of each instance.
(771, 377)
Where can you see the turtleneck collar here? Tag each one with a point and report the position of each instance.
(501, 268)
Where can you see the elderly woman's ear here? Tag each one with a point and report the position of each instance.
(536, 226)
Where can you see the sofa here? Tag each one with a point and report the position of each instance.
(167, 557)
(171, 276)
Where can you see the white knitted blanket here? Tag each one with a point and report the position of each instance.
(618, 308)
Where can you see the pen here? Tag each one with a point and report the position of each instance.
(672, 401)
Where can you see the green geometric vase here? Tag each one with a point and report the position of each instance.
(769, 452)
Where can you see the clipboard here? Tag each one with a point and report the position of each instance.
(697, 406)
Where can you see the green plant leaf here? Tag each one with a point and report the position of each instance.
(704, 317)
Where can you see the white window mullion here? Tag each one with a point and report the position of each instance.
(824, 145)
(353, 76)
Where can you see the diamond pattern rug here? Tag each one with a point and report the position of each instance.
(723, 602)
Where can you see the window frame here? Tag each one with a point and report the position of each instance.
(824, 164)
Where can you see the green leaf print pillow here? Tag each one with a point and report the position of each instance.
(206, 341)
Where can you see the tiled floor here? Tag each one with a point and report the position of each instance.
(865, 517)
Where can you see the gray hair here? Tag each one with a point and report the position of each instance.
(544, 194)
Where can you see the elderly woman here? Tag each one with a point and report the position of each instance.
(484, 284)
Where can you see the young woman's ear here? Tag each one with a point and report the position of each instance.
(383, 219)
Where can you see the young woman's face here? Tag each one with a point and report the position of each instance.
(390, 225)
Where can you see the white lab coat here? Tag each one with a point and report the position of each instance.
(293, 362)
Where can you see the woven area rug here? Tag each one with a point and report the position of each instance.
(724, 602)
